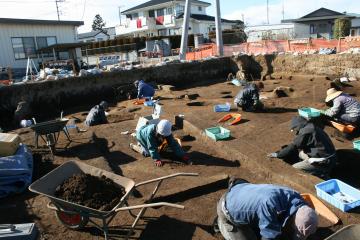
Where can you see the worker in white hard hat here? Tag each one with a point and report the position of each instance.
(151, 136)
(264, 211)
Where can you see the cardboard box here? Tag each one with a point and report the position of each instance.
(154, 118)
(9, 143)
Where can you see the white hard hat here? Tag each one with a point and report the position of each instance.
(164, 128)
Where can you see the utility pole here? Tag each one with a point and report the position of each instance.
(120, 12)
(267, 11)
(219, 38)
(57, 7)
(185, 29)
(283, 10)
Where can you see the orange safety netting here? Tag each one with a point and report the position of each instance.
(270, 46)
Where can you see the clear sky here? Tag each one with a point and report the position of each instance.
(253, 12)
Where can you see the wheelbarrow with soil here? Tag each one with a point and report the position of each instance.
(50, 131)
(76, 216)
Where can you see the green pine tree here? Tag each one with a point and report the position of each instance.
(341, 28)
(98, 23)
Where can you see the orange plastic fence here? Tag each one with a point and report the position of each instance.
(269, 46)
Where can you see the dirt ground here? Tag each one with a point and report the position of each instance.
(244, 155)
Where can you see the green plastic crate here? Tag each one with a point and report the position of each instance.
(217, 133)
(357, 145)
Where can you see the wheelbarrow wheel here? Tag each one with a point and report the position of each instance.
(72, 221)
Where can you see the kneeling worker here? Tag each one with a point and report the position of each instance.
(97, 115)
(151, 136)
(313, 147)
(344, 107)
(248, 98)
(264, 211)
(144, 90)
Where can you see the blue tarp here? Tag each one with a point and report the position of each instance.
(16, 171)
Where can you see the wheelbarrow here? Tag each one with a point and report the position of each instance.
(50, 131)
(76, 216)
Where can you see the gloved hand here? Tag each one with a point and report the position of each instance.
(272, 155)
(158, 163)
(322, 112)
(186, 159)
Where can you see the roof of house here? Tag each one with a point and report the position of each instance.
(39, 22)
(319, 14)
(202, 17)
(61, 47)
(157, 2)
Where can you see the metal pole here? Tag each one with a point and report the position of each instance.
(57, 9)
(120, 15)
(185, 29)
(219, 38)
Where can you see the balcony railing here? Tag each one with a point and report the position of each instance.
(145, 24)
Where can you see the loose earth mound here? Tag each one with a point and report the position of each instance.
(94, 192)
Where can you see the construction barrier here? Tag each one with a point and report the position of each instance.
(272, 46)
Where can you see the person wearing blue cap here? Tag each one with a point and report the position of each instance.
(97, 115)
(144, 90)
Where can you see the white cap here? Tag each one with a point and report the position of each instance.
(164, 128)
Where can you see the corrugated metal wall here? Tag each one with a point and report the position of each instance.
(63, 33)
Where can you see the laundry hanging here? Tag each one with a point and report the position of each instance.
(138, 23)
(160, 20)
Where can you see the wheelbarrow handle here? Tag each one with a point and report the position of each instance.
(159, 204)
(166, 177)
(11, 227)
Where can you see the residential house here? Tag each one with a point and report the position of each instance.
(165, 17)
(21, 39)
(355, 25)
(283, 31)
(97, 36)
(320, 22)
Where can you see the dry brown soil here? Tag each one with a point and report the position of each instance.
(244, 155)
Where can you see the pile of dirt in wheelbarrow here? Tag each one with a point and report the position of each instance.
(99, 193)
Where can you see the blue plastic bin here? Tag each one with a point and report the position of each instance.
(217, 133)
(222, 107)
(309, 113)
(357, 145)
(339, 194)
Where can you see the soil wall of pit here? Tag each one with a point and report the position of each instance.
(54, 96)
(336, 65)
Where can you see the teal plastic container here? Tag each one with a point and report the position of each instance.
(309, 113)
(217, 133)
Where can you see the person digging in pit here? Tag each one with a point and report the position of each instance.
(97, 115)
(311, 151)
(345, 109)
(248, 98)
(151, 137)
(144, 90)
(263, 211)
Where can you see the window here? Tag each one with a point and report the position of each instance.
(179, 9)
(163, 32)
(169, 11)
(352, 32)
(135, 16)
(99, 39)
(312, 29)
(151, 13)
(42, 42)
(23, 47)
(160, 12)
(200, 8)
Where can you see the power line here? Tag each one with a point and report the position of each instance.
(82, 17)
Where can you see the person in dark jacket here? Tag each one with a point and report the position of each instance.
(264, 211)
(151, 136)
(344, 108)
(315, 149)
(248, 98)
(144, 90)
(97, 115)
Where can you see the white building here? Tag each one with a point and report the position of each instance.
(355, 25)
(21, 38)
(97, 36)
(165, 17)
(283, 31)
